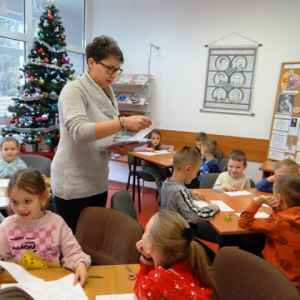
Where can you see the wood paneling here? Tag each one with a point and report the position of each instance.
(255, 149)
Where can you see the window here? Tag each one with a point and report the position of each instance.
(15, 42)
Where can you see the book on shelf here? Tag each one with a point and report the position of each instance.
(124, 79)
(124, 97)
(141, 79)
(137, 99)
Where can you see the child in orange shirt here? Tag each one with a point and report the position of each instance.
(282, 246)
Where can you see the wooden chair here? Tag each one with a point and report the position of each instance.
(108, 236)
(38, 162)
(242, 275)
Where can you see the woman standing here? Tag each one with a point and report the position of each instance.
(89, 118)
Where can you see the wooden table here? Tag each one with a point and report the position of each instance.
(114, 279)
(164, 160)
(238, 204)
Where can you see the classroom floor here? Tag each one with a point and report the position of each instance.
(149, 205)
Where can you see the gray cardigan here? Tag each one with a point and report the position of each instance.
(79, 169)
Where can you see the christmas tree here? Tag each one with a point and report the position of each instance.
(47, 70)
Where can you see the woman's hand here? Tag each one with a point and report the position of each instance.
(81, 274)
(137, 123)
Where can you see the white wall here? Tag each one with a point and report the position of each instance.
(181, 28)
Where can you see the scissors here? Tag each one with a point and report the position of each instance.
(131, 275)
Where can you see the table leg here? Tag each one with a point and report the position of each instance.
(134, 178)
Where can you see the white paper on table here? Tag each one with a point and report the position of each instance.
(147, 153)
(4, 182)
(238, 193)
(62, 288)
(223, 206)
(200, 203)
(19, 273)
(4, 201)
(117, 297)
(259, 215)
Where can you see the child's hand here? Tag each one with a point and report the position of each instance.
(171, 149)
(269, 200)
(197, 195)
(216, 207)
(150, 149)
(271, 179)
(229, 188)
(81, 274)
(139, 246)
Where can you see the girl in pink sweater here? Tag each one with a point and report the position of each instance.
(35, 238)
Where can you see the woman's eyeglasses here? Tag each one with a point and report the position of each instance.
(111, 70)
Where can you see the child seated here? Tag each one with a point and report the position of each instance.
(173, 265)
(200, 137)
(155, 170)
(282, 246)
(176, 197)
(234, 177)
(35, 235)
(10, 162)
(284, 167)
(209, 163)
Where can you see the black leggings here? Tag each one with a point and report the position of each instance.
(70, 210)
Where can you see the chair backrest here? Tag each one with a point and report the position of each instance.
(208, 180)
(223, 164)
(38, 162)
(122, 201)
(252, 183)
(108, 236)
(218, 155)
(243, 275)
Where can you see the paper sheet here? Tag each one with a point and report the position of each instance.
(237, 193)
(59, 289)
(19, 273)
(223, 206)
(259, 215)
(200, 203)
(4, 182)
(117, 297)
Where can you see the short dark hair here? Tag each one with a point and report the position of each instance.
(201, 136)
(288, 186)
(9, 139)
(211, 145)
(186, 156)
(103, 47)
(238, 155)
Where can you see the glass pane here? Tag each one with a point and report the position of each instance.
(12, 15)
(11, 60)
(77, 60)
(72, 18)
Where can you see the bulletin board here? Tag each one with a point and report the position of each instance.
(284, 140)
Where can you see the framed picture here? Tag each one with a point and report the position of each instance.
(229, 79)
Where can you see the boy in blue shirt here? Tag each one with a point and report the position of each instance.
(284, 167)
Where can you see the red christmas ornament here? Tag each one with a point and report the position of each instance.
(39, 119)
(28, 75)
(50, 15)
(58, 136)
(46, 60)
(62, 37)
(12, 121)
(33, 119)
(37, 140)
(62, 60)
(16, 120)
(32, 80)
(41, 51)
